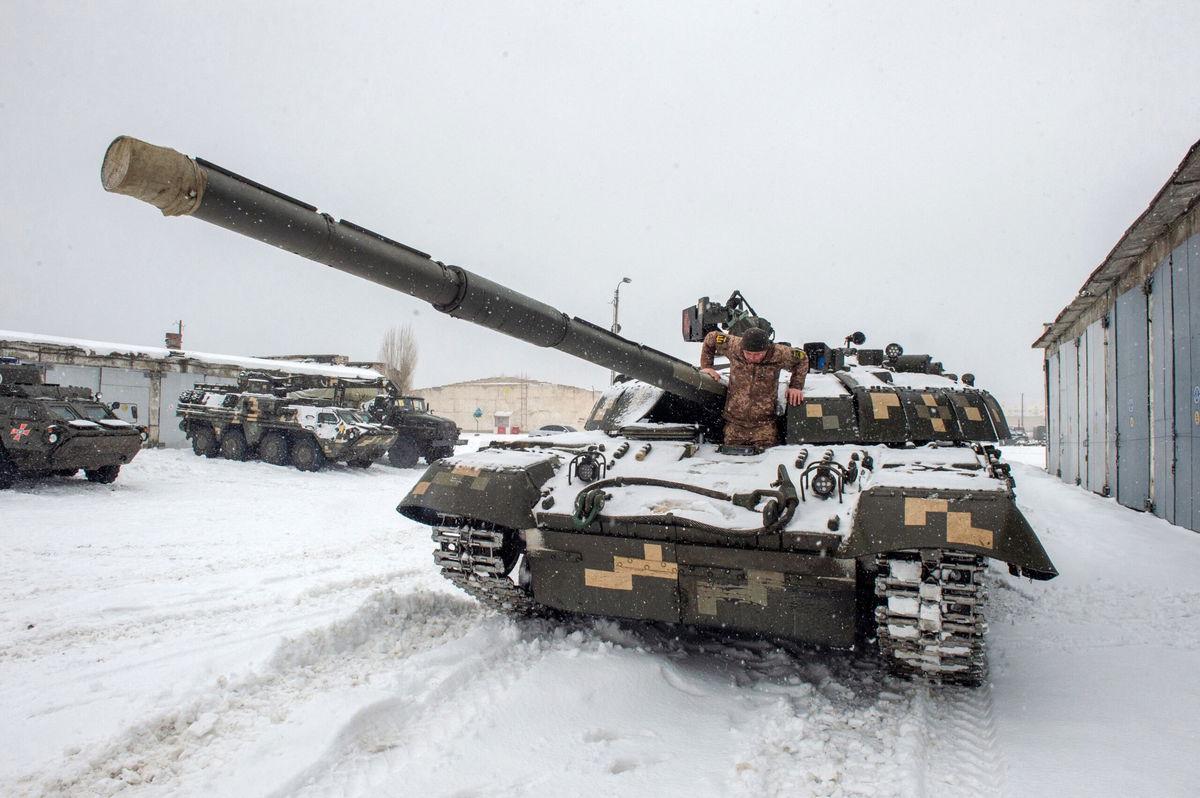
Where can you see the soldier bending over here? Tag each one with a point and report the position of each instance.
(754, 364)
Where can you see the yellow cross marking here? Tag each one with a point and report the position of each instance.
(958, 524)
(625, 568)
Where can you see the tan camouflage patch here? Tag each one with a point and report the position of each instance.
(881, 401)
(814, 411)
(465, 471)
(755, 591)
(625, 568)
(973, 414)
(938, 424)
(928, 399)
(420, 489)
(958, 524)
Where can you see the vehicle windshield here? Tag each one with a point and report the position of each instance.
(353, 417)
(414, 403)
(95, 412)
(63, 411)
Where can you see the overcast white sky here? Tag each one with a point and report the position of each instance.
(942, 175)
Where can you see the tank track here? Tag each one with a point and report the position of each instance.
(929, 620)
(471, 555)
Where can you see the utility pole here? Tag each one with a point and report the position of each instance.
(616, 326)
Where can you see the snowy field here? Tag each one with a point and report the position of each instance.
(210, 628)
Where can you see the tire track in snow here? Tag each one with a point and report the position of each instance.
(134, 625)
(170, 746)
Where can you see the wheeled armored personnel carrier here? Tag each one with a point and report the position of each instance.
(56, 430)
(872, 523)
(240, 424)
(419, 433)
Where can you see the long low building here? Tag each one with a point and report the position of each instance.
(144, 382)
(1122, 363)
(510, 404)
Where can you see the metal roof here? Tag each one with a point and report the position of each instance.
(1174, 200)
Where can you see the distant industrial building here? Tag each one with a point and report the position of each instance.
(1122, 363)
(510, 404)
(144, 382)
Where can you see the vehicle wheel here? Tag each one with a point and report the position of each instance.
(307, 455)
(8, 471)
(274, 449)
(364, 463)
(233, 445)
(66, 472)
(204, 441)
(104, 474)
(404, 453)
(438, 453)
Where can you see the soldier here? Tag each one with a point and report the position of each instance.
(754, 364)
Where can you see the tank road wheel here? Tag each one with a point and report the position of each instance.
(104, 474)
(274, 449)
(233, 445)
(8, 471)
(404, 453)
(204, 441)
(929, 620)
(306, 454)
(437, 453)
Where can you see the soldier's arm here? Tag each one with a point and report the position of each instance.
(798, 365)
(713, 345)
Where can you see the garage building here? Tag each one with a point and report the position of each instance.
(1122, 363)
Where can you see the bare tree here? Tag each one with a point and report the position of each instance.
(398, 356)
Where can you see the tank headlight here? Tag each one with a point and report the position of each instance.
(893, 351)
(52, 435)
(824, 483)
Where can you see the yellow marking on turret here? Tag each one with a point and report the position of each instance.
(626, 568)
(973, 414)
(882, 401)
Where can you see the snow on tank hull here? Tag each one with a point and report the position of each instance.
(682, 537)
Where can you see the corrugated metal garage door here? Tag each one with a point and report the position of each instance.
(82, 376)
(1069, 410)
(1162, 390)
(1187, 385)
(1054, 434)
(1133, 405)
(1097, 475)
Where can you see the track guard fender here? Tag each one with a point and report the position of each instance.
(979, 522)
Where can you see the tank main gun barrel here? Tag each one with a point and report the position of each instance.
(182, 186)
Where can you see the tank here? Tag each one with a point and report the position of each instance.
(57, 430)
(872, 525)
(284, 420)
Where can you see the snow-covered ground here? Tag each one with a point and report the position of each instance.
(210, 628)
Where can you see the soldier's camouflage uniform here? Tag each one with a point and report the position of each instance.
(750, 418)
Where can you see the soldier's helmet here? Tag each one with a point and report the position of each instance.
(756, 339)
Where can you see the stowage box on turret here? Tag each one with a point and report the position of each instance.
(873, 523)
(55, 430)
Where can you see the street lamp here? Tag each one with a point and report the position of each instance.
(616, 326)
